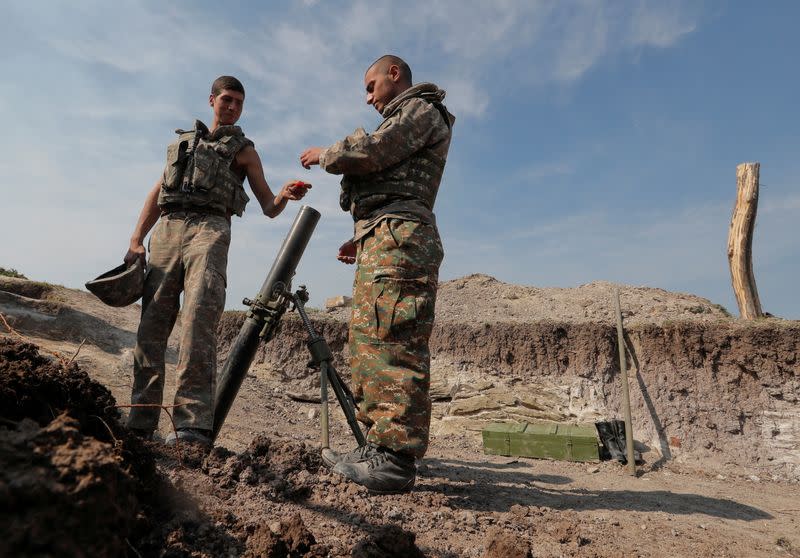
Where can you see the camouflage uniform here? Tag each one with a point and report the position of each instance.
(390, 182)
(189, 254)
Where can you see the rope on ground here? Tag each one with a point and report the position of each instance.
(61, 358)
(111, 433)
(76, 352)
(9, 328)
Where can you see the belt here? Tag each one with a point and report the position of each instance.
(175, 209)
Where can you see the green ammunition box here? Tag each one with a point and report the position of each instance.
(546, 440)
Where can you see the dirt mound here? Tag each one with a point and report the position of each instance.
(26, 288)
(282, 469)
(74, 479)
(478, 298)
(52, 313)
(71, 494)
(39, 388)
(285, 539)
(390, 541)
(78, 483)
(505, 545)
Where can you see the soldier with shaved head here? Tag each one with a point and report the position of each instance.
(390, 180)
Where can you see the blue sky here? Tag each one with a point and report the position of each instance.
(594, 140)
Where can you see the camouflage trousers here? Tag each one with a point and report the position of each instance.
(394, 297)
(189, 254)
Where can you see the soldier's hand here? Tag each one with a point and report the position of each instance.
(310, 157)
(295, 189)
(347, 252)
(135, 251)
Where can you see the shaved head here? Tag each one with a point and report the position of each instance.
(386, 61)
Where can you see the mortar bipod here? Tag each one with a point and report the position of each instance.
(321, 356)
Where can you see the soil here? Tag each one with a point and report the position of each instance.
(78, 484)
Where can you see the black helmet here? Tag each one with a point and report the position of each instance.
(121, 286)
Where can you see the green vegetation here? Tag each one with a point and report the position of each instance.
(722, 309)
(11, 273)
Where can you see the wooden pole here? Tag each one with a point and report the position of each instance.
(740, 241)
(623, 376)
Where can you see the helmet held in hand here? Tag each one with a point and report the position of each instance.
(121, 286)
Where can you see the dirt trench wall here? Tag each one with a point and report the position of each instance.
(725, 395)
(728, 395)
(287, 352)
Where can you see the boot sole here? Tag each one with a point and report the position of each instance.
(330, 458)
(405, 490)
(376, 491)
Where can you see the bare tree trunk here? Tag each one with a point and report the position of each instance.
(740, 241)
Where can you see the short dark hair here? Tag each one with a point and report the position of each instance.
(226, 82)
(390, 59)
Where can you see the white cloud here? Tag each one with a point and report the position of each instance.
(659, 24)
(465, 98)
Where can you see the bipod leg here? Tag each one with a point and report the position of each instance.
(321, 355)
(323, 413)
(346, 402)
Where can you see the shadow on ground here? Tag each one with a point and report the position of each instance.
(488, 487)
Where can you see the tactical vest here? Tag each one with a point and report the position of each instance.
(198, 173)
(416, 179)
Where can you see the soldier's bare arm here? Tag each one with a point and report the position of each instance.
(416, 125)
(147, 218)
(271, 205)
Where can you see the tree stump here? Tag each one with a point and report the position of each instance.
(740, 241)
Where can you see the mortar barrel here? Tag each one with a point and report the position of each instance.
(246, 343)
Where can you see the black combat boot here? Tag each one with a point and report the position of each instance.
(381, 471)
(331, 457)
(191, 435)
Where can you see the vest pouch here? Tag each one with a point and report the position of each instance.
(345, 197)
(176, 165)
(206, 167)
(240, 199)
(228, 146)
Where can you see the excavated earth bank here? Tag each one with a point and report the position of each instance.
(705, 388)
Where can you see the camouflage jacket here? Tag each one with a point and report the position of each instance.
(396, 170)
(198, 172)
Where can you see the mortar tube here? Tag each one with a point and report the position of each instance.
(247, 341)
